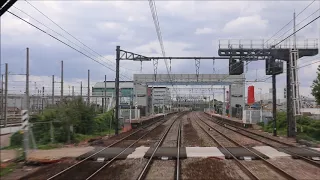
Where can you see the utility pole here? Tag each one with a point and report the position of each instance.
(136, 104)
(81, 90)
(105, 94)
(224, 101)
(117, 88)
(26, 133)
(292, 88)
(61, 96)
(152, 100)
(88, 97)
(72, 92)
(52, 98)
(6, 97)
(42, 99)
(39, 100)
(274, 104)
(2, 97)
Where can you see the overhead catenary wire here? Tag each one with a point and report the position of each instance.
(278, 32)
(300, 67)
(74, 36)
(292, 19)
(64, 43)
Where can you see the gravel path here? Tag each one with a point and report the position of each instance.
(297, 168)
(207, 168)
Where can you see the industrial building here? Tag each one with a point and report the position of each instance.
(161, 96)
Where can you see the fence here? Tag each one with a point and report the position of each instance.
(255, 116)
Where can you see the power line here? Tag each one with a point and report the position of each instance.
(292, 19)
(300, 22)
(72, 35)
(299, 29)
(154, 14)
(300, 67)
(63, 42)
(287, 36)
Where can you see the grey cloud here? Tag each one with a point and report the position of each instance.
(178, 24)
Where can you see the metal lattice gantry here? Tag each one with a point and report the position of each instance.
(127, 55)
(274, 52)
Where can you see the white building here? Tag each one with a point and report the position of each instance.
(161, 96)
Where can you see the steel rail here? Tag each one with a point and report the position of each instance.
(114, 158)
(266, 137)
(241, 166)
(144, 171)
(279, 170)
(310, 161)
(178, 152)
(118, 141)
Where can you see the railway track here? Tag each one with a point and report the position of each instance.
(266, 140)
(242, 165)
(149, 165)
(80, 166)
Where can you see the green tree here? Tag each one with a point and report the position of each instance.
(316, 87)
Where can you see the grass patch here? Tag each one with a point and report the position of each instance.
(49, 146)
(83, 137)
(308, 129)
(8, 169)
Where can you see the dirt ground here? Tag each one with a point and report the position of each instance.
(190, 137)
(46, 171)
(209, 168)
(161, 170)
(297, 168)
(243, 140)
(261, 170)
(122, 170)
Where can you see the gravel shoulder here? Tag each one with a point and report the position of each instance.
(222, 140)
(122, 170)
(205, 140)
(261, 170)
(209, 168)
(297, 168)
(245, 141)
(161, 170)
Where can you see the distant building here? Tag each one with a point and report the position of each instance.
(126, 91)
(161, 96)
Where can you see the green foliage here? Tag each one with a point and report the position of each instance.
(16, 139)
(315, 87)
(49, 146)
(7, 170)
(83, 119)
(307, 128)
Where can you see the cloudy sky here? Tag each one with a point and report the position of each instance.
(189, 28)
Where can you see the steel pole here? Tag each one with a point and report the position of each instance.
(26, 133)
(52, 90)
(105, 93)
(6, 96)
(117, 89)
(88, 97)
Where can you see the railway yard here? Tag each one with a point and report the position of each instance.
(188, 145)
